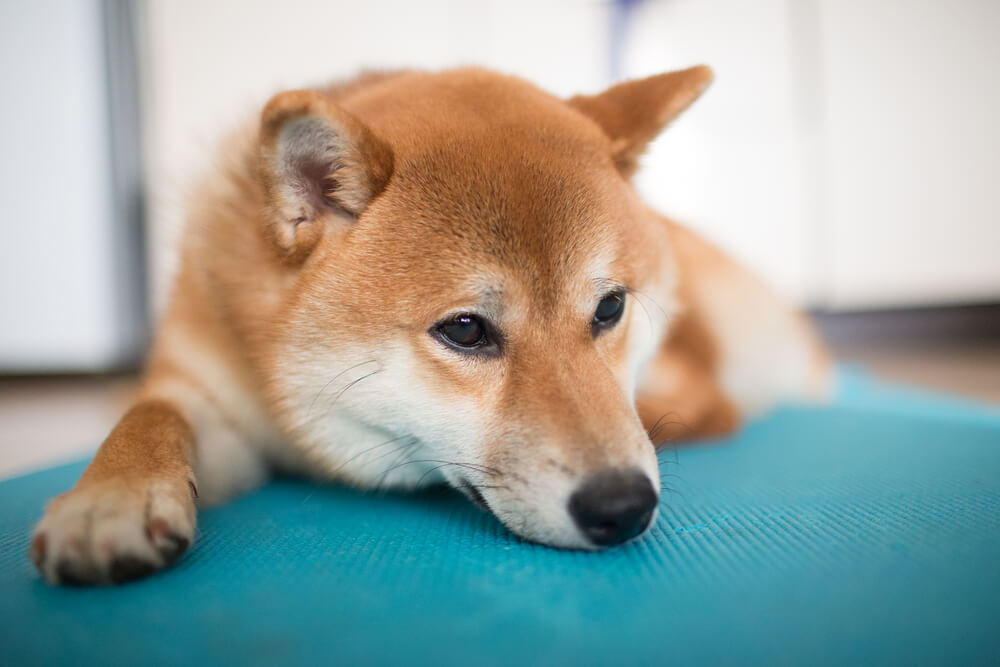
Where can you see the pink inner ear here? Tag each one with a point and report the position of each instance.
(312, 154)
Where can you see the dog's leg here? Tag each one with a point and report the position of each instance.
(679, 399)
(132, 512)
(736, 349)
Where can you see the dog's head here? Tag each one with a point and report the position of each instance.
(475, 290)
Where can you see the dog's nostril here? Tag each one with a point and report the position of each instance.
(613, 506)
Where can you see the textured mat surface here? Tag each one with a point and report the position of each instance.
(867, 532)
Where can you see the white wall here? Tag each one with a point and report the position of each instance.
(846, 151)
(214, 64)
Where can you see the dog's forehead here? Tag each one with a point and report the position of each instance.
(508, 203)
(474, 145)
(493, 176)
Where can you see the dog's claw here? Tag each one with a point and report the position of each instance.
(176, 547)
(128, 568)
(38, 546)
(74, 574)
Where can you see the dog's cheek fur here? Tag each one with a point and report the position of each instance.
(374, 416)
(401, 410)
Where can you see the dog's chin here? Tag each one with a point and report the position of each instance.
(547, 536)
(561, 537)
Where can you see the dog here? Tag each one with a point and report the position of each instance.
(414, 278)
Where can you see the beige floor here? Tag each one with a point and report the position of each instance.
(970, 370)
(49, 420)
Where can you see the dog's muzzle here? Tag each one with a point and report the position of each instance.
(613, 506)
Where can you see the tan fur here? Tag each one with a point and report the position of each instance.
(342, 228)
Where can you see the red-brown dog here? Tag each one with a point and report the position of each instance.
(418, 277)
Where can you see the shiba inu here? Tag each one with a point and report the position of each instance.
(416, 278)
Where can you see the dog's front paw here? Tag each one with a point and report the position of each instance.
(114, 530)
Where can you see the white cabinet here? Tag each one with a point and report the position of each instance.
(66, 290)
(739, 164)
(912, 151)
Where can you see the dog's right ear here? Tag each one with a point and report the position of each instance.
(633, 112)
(318, 164)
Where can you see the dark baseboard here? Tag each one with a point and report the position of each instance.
(937, 325)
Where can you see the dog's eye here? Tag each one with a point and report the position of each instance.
(608, 312)
(463, 331)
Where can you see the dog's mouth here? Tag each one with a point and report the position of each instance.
(473, 494)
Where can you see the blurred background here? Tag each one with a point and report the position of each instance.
(848, 151)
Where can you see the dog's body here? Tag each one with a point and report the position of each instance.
(415, 278)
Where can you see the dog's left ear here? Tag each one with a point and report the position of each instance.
(633, 113)
(319, 164)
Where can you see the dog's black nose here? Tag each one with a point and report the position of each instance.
(613, 506)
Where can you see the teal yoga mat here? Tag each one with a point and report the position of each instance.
(867, 532)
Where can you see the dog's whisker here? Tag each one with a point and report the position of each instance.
(661, 424)
(475, 466)
(365, 451)
(668, 462)
(431, 470)
(309, 421)
(666, 444)
(648, 316)
(670, 443)
(402, 448)
(471, 466)
(657, 428)
(656, 424)
(344, 390)
(677, 459)
(327, 385)
(664, 498)
(403, 452)
(637, 294)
